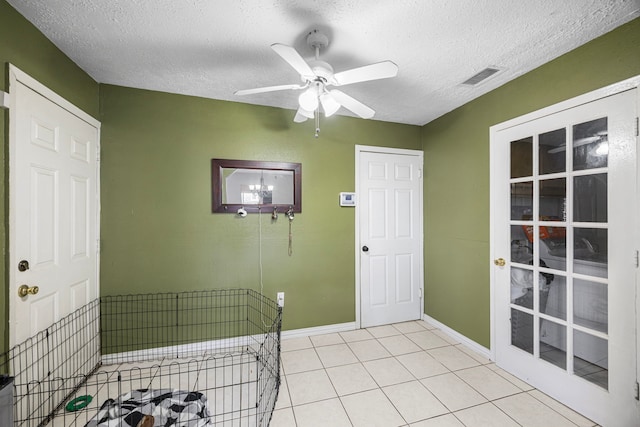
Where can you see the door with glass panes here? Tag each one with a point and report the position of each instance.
(564, 244)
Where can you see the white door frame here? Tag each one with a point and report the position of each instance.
(18, 76)
(613, 89)
(385, 150)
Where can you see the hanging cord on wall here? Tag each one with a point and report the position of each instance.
(260, 248)
(260, 265)
(290, 215)
(290, 238)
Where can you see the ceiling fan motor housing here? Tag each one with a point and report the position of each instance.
(322, 69)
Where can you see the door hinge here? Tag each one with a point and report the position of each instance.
(637, 391)
(4, 99)
(98, 246)
(637, 126)
(636, 258)
(419, 173)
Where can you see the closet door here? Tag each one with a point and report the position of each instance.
(54, 208)
(389, 239)
(564, 222)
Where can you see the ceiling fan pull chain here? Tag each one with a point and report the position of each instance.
(317, 114)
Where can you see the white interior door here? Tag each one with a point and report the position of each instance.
(389, 210)
(53, 207)
(564, 212)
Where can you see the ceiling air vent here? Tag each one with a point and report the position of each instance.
(481, 76)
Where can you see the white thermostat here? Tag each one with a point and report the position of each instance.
(347, 199)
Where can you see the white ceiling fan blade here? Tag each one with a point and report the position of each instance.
(352, 104)
(302, 115)
(267, 89)
(294, 59)
(379, 70)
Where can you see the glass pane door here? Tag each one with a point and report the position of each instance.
(565, 234)
(559, 290)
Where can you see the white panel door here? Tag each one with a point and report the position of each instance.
(390, 237)
(53, 212)
(564, 237)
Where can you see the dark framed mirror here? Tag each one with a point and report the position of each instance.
(253, 184)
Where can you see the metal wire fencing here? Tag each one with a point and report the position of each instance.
(213, 354)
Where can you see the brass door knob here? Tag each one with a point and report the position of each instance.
(25, 290)
(500, 262)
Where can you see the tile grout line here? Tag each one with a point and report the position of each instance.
(482, 394)
(331, 382)
(458, 346)
(395, 357)
(562, 415)
(508, 395)
(509, 416)
(421, 384)
(406, 382)
(392, 356)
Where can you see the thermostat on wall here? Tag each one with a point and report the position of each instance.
(347, 199)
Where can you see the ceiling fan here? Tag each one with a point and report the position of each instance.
(317, 77)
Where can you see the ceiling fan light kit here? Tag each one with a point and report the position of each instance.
(329, 104)
(309, 98)
(317, 76)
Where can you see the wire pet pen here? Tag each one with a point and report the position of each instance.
(187, 359)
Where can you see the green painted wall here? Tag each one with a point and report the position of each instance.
(456, 146)
(157, 227)
(25, 47)
(158, 232)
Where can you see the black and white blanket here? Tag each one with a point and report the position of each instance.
(168, 407)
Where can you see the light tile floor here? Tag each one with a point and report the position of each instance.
(406, 374)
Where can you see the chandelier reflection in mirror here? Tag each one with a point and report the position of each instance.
(257, 194)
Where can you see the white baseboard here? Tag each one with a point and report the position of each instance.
(319, 330)
(350, 326)
(230, 345)
(237, 344)
(459, 337)
(293, 333)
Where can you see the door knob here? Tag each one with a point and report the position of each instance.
(25, 290)
(500, 262)
(365, 249)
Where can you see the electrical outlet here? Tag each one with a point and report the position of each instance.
(281, 299)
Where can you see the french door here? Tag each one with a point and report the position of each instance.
(564, 218)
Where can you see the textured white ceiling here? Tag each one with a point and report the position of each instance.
(212, 48)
